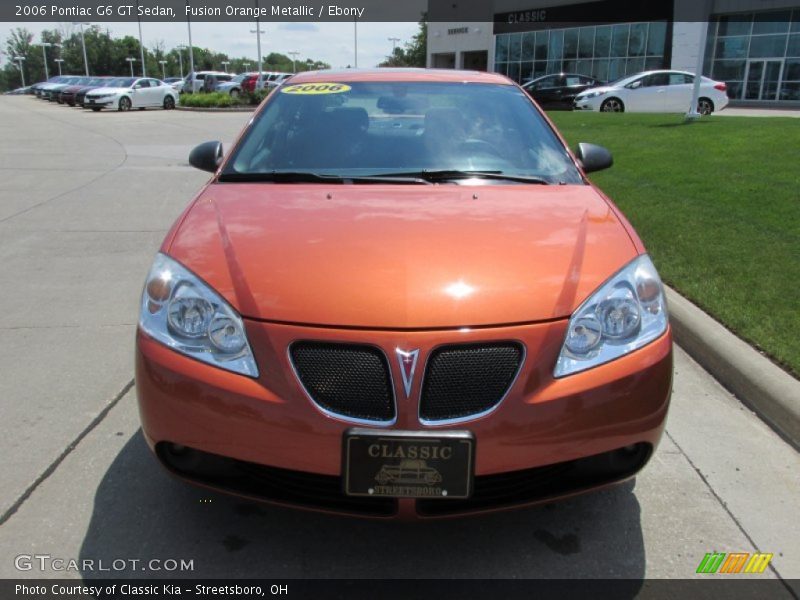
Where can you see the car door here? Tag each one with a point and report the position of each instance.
(139, 95)
(679, 92)
(547, 91)
(647, 93)
(156, 93)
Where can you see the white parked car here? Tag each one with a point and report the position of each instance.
(132, 92)
(654, 91)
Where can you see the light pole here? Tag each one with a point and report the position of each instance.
(693, 113)
(191, 51)
(163, 69)
(258, 31)
(45, 46)
(59, 61)
(180, 57)
(294, 55)
(131, 61)
(141, 43)
(246, 66)
(394, 41)
(19, 59)
(83, 43)
(225, 64)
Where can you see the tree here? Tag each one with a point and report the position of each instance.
(413, 53)
(20, 43)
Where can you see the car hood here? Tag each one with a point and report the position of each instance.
(402, 256)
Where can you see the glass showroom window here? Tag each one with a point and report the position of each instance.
(756, 54)
(606, 52)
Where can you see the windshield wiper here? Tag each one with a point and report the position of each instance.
(450, 174)
(311, 177)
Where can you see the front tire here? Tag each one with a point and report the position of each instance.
(124, 104)
(169, 103)
(612, 105)
(95, 109)
(234, 93)
(705, 106)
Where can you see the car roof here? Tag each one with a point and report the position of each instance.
(444, 75)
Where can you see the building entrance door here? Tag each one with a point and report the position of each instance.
(763, 79)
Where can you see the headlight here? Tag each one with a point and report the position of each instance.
(590, 95)
(184, 313)
(627, 312)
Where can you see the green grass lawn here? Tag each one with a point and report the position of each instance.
(717, 204)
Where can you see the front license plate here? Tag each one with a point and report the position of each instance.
(408, 464)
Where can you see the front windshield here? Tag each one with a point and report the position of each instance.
(239, 78)
(377, 128)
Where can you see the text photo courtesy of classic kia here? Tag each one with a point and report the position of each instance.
(399, 296)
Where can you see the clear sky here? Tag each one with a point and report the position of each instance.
(329, 42)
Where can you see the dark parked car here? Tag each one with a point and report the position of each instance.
(559, 89)
(68, 94)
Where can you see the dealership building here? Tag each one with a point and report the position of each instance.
(752, 45)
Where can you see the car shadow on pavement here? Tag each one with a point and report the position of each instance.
(142, 513)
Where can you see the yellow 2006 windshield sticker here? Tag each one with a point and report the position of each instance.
(315, 88)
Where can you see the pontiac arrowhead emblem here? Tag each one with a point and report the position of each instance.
(408, 364)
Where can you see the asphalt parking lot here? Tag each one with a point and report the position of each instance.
(85, 200)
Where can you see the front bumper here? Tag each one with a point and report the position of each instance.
(543, 426)
(90, 102)
(587, 103)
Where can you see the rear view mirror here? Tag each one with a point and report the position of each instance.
(207, 156)
(593, 158)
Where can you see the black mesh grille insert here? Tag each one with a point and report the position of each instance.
(346, 379)
(466, 380)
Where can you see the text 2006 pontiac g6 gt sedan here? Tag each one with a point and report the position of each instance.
(399, 296)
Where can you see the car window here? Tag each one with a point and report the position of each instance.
(369, 128)
(544, 84)
(656, 79)
(680, 79)
(637, 83)
(572, 80)
(142, 83)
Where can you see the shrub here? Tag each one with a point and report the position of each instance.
(212, 100)
(223, 99)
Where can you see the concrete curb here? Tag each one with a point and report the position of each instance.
(768, 390)
(217, 108)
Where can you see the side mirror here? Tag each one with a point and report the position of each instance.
(207, 156)
(593, 158)
(635, 85)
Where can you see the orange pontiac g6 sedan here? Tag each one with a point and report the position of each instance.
(399, 296)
